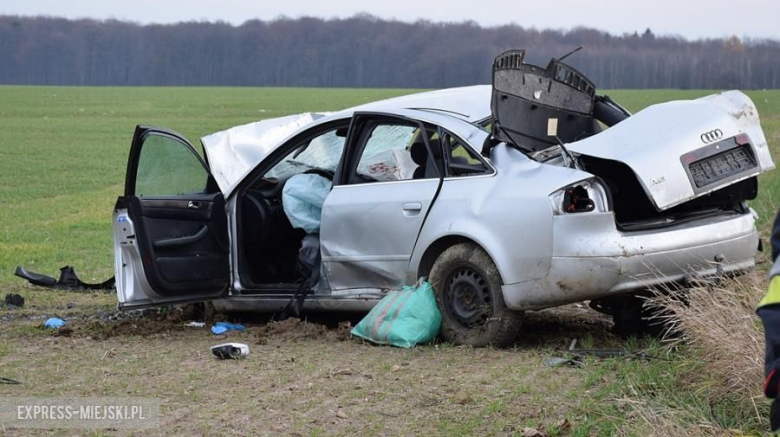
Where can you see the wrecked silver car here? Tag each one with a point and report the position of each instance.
(530, 193)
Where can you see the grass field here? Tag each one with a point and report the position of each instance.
(63, 152)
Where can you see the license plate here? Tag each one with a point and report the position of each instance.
(721, 166)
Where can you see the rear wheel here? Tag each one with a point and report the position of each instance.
(468, 292)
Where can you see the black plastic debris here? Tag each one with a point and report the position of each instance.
(67, 281)
(9, 381)
(13, 301)
(576, 357)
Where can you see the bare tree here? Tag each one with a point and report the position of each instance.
(360, 51)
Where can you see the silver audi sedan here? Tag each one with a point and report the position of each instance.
(529, 193)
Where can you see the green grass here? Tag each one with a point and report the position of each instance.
(63, 153)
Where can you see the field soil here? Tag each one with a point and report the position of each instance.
(302, 377)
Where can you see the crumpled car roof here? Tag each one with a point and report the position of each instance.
(234, 152)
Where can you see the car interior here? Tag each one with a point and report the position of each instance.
(270, 244)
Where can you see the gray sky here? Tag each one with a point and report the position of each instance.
(689, 18)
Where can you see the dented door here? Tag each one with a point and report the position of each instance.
(386, 185)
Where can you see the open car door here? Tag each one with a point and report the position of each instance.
(170, 227)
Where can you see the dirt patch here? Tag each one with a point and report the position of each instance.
(548, 327)
(149, 323)
(174, 322)
(558, 326)
(297, 330)
(102, 325)
(144, 327)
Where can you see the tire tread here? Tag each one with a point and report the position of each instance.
(506, 324)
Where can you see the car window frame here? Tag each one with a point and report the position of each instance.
(287, 148)
(360, 128)
(490, 169)
(137, 146)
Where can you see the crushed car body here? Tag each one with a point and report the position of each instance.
(530, 193)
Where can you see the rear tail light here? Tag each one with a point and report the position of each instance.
(585, 196)
(576, 199)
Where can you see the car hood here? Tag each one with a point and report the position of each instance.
(234, 152)
(669, 146)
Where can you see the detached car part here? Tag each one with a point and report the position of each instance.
(67, 281)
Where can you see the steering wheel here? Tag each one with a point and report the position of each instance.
(327, 174)
(255, 218)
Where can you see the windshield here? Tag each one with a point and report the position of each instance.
(322, 152)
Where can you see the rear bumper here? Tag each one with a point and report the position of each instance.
(592, 259)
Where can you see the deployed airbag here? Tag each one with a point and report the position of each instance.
(302, 198)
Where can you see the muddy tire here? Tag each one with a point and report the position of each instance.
(467, 286)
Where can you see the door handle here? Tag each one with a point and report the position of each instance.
(412, 207)
(192, 204)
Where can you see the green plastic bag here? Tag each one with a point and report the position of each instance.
(402, 318)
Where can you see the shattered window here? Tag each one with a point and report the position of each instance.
(394, 153)
(167, 167)
(322, 152)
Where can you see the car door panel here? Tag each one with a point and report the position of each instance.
(170, 227)
(369, 230)
(185, 246)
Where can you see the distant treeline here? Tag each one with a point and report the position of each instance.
(362, 51)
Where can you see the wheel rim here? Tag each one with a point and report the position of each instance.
(467, 299)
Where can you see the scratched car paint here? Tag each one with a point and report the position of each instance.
(530, 193)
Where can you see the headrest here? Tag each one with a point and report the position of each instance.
(419, 153)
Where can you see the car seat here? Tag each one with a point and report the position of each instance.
(420, 157)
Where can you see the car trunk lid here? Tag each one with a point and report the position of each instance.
(683, 150)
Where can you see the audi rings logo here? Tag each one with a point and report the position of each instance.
(713, 135)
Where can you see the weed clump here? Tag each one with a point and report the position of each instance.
(714, 324)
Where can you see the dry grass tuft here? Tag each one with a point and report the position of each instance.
(717, 319)
(723, 341)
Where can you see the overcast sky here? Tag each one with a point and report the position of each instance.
(689, 18)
